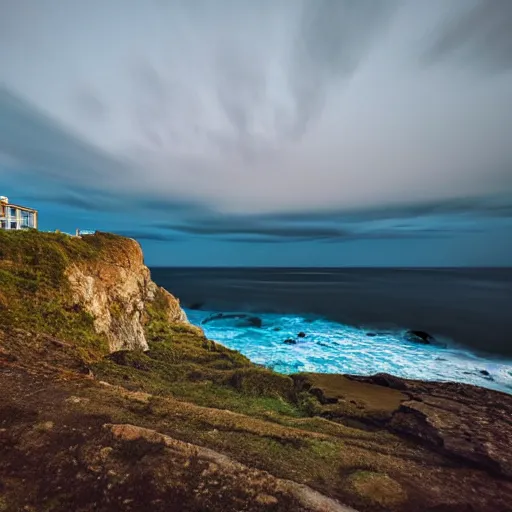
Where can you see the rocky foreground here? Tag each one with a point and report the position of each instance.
(111, 401)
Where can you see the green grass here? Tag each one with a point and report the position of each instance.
(36, 296)
(34, 290)
(187, 367)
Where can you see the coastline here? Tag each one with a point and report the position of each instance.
(332, 348)
(467, 307)
(110, 399)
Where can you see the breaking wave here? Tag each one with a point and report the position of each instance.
(325, 346)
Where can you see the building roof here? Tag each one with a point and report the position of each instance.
(11, 205)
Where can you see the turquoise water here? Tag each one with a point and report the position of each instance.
(331, 347)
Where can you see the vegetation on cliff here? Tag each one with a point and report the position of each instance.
(34, 292)
(83, 428)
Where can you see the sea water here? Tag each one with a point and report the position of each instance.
(469, 310)
(331, 347)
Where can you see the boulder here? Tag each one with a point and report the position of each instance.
(241, 319)
(419, 337)
(486, 375)
(290, 341)
(301, 334)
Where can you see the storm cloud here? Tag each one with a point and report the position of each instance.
(241, 122)
(481, 35)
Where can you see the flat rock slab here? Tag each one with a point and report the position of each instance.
(458, 429)
(465, 422)
(265, 487)
(371, 398)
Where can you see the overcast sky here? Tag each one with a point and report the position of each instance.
(269, 132)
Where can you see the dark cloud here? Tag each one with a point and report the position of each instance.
(165, 206)
(325, 227)
(99, 201)
(80, 198)
(342, 237)
(259, 239)
(44, 147)
(232, 225)
(429, 220)
(481, 35)
(490, 206)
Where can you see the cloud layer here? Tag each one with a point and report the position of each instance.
(255, 122)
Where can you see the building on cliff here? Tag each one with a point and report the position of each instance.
(14, 216)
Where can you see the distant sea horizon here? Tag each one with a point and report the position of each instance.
(392, 267)
(469, 306)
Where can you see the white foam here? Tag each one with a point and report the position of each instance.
(330, 347)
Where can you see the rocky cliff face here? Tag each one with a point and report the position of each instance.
(116, 291)
(191, 425)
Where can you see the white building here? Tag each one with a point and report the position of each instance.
(14, 216)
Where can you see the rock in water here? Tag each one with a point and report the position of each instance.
(241, 319)
(419, 337)
(289, 341)
(301, 334)
(255, 321)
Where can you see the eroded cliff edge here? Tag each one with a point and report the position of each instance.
(116, 290)
(53, 282)
(110, 400)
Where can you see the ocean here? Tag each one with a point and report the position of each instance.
(354, 320)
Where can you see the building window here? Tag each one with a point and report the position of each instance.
(13, 212)
(3, 224)
(27, 219)
(14, 225)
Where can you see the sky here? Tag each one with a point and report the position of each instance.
(268, 133)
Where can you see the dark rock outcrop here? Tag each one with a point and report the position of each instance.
(419, 337)
(242, 319)
(387, 380)
(464, 422)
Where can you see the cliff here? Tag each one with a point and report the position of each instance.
(99, 281)
(115, 290)
(110, 400)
